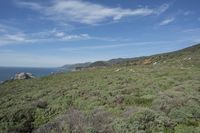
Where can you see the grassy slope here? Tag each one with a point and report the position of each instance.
(122, 98)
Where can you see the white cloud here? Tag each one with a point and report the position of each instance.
(47, 36)
(96, 47)
(87, 12)
(59, 34)
(10, 35)
(15, 39)
(55, 35)
(76, 37)
(167, 21)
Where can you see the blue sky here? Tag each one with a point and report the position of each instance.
(50, 33)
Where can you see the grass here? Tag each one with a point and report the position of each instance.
(122, 98)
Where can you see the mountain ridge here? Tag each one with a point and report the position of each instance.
(118, 61)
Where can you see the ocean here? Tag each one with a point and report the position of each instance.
(8, 72)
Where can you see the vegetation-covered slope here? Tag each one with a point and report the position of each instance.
(159, 93)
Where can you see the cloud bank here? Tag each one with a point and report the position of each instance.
(86, 12)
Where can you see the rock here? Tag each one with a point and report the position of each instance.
(187, 58)
(23, 75)
(52, 73)
(155, 63)
(117, 70)
(19, 76)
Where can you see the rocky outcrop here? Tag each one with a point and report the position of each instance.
(19, 76)
(23, 75)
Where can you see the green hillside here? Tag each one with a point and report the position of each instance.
(155, 94)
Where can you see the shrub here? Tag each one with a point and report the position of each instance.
(76, 121)
(181, 128)
(21, 120)
(165, 102)
(145, 100)
(100, 121)
(41, 104)
(57, 126)
(144, 121)
(189, 111)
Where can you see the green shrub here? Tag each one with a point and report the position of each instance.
(181, 128)
(145, 100)
(144, 121)
(21, 120)
(186, 113)
(100, 121)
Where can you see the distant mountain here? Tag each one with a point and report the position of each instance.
(99, 64)
(71, 67)
(136, 60)
(170, 56)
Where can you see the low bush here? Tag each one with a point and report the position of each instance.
(101, 121)
(21, 121)
(144, 121)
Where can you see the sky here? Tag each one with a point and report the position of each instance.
(52, 33)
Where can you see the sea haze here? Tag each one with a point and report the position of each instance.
(8, 72)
